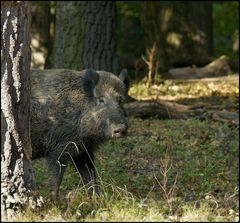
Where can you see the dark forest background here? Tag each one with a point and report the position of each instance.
(175, 34)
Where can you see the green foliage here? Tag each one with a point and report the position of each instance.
(226, 22)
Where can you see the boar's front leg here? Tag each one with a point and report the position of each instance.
(56, 169)
(85, 166)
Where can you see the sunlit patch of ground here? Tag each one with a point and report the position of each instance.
(192, 92)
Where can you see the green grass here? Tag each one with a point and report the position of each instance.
(201, 183)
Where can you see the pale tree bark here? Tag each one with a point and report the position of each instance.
(85, 36)
(16, 170)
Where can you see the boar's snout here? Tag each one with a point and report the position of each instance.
(119, 131)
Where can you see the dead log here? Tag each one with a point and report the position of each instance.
(161, 109)
(218, 67)
(227, 117)
(202, 61)
(196, 60)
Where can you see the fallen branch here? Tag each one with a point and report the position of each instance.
(161, 109)
(218, 67)
(226, 116)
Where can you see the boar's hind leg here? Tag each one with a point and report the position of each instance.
(56, 171)
(85, 166)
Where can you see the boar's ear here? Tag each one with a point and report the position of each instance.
(91, 79)
(123, 76)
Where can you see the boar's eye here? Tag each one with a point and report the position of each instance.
(101, 100)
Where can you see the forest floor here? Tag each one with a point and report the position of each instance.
(164, 170)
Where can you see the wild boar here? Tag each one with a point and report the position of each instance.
(82, 108)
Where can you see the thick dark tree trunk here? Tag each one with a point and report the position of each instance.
(16, 170)
(85, 36)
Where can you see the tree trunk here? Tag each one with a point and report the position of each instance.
(16, 170)
(180, 29)
(85, 36)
